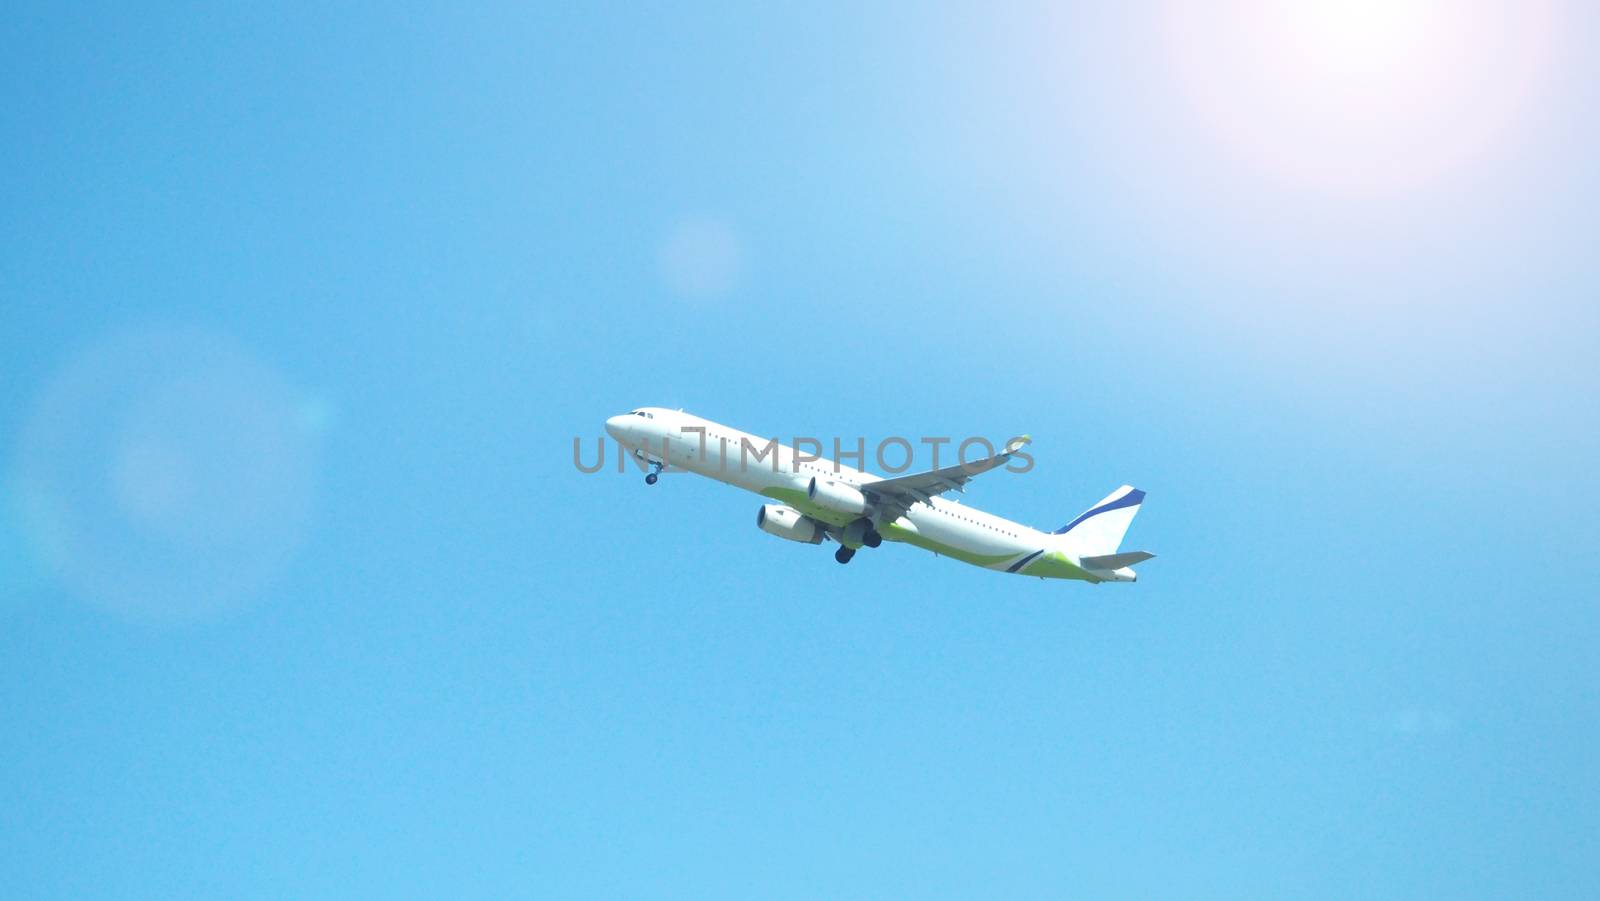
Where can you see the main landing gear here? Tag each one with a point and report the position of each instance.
(859, 533)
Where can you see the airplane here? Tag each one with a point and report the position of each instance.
(819, 499)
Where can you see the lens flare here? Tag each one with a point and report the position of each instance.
(165, 474)
(701, 258)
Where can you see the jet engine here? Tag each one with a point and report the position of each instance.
(787, 522)
(837, 497)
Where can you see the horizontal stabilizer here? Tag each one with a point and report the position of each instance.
(1115, 561)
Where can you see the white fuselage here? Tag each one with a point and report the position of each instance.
(775, 470)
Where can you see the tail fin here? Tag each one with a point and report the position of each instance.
(1099, 530)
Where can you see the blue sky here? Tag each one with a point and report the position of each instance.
(302, 307)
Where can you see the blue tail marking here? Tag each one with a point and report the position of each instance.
(1132, 498)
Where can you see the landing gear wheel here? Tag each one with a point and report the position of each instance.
(872, 538)
(843, 554)
(650, 478)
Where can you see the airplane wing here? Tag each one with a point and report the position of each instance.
(895, 496)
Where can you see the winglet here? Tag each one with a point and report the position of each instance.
(1017, 443)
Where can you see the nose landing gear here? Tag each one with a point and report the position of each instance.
(655, 466)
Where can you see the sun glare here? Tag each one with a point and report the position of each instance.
(1357, 36)
(1357, 95)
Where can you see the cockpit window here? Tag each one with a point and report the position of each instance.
(643, 413)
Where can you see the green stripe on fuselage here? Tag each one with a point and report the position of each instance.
(1056, 565)
(892, 532)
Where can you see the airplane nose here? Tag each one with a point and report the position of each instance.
(617, 427)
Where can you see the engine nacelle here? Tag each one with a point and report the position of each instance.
(837, 496)
(787, 522)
